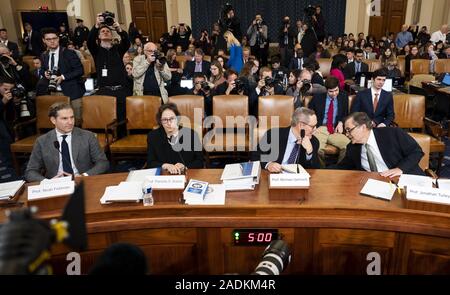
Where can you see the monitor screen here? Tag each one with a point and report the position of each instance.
(446, 79)
(89, 84)
(187, 84)
(388, 85)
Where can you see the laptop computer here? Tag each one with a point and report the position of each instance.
(358, 75)
(187, 84)
(89, 84)
(446, 80)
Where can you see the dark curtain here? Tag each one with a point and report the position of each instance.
(40, 20)
(205, 12)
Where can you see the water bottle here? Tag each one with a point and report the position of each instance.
(148, 197)
(362, 82)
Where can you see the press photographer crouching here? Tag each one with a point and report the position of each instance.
(12, 69)
(203, 87)
(63, 68)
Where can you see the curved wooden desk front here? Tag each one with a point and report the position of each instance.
(331, 232)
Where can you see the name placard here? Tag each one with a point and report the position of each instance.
(167, 181)
(42, 191)
(431, 195)
(288, 181)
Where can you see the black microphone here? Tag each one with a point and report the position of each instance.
(302, 135)
(172, 144)
(57, 146)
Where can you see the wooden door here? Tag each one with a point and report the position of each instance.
(392, 18)
(150, 17)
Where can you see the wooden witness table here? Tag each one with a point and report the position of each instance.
(331, 232)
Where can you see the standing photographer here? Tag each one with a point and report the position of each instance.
(230, 22)
(318, 23)
(286, 41)
(6, 106)
(183, 36)
(150, 71)
(111, 73)
(258, 39)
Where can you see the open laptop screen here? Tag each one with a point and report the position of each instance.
(446, 79)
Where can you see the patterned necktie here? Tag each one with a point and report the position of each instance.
(371, 159)
(52, 62)
(375, 102)
(293, 156)
(65, 154)
(330, 116)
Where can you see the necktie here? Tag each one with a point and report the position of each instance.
(293, 156)
(375, 102)
(65, 154)
(371, 159)
(52, 62)
(358, 67)
(330, 116)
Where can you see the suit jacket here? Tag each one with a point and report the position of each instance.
(349, 70)
(159, 151)
(397, 148)
(86, 153)
(189, 69)
(70, 66)
(318, 104)
(36, 43)
(294, 63)
(266, 147)
(14, 49)
(385, 109)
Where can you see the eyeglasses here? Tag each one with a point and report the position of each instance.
(51, 39)
(311, 126)
(168, 120)
(349, 131)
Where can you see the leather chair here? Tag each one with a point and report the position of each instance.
(141, 111)
(442, 66)
(401, 64)
(420, 66)
(24, 147)
(99, 115)
(181, 59)
(374, 64)
(424, 142)
(192, 110)
(207, 58)
(86, 68)
(28, 59)
(226, 137)
(324, 66)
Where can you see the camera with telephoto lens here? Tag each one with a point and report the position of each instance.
(159, 56)
(108, 18)
(306, 86)
(239, 85)
(271, 82)
(276, 257)
(309, 10)
(4, 60)
(205, 86)
(53, 85)
(20, 95)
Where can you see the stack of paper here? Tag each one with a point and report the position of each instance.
(215, 195)
(378, 189)
(9, 189)
(124, 192)
(195, 191)
(140, 175)
(443, 184)
(415, 180)
(295, 169)
(242, 176)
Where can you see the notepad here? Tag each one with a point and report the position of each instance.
(124, 192)
(9, 189)
(378, 189)
(415, 180)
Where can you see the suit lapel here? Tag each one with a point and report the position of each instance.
(370, 103)
(357, 155)
(54, 155)
(75, 144)
(382, 146)
(283, 138)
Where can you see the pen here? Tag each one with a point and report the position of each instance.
(398, 188)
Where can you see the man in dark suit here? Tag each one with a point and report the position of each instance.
(6, 138)
(390, 151)
(11, 68)
(331, 108)
(65, 150)
(80, 34)
(290, 145)
(198, 65)
(68, 66)
(298, 61)
(356, 66)
(11, 45)
(375, 102)
(32, 41)
(286, 41)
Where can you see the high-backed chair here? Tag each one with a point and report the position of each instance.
(420, 66)
(86, 68)
(401, 64)
(181, 59)
(23, 147)
(442, 66)
(141, 111)
(324, 66)
(374, 64)
(207, 58)
(192, 110)
(424, 141)
(229, 131)
(28, 59)
(99, 115)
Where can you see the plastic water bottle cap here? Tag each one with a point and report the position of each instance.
(148, 190)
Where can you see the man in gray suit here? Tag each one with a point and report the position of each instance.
(66, 150)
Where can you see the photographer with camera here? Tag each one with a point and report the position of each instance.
(10, 68)
(11, 45)
(232, 85)
(203, 88)
(266, 86)
(318, 23)
(150, 71)
(228, 21)
(183, 35)
(259, 42)
(286, 41)
(111, 73)
(61, 67)
(204, 42)
(305, 87)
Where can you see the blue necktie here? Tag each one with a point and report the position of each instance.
(65, 154)
(293, 156)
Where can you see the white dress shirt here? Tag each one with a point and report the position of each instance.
(438, 36)
(373, 95)
(69, 143)
(56, 52)
(372, 142)
(292, 141)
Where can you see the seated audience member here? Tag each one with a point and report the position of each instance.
(331, 109)
(390, 151)
(445, 54)
(350, 53)
(414, 54)
(65, 150)
(337, 66)
(377, 103)
(203, 88)
(292, 82)
(290, 145)
(368, 52)
(217, 74)
(392, 69)
(174, 65)
(130, 79)
(198, 65)
(357, 66)
(173, 147)
(314, 68)
(38, 73)
(299, 60)
(248, 73)
(174, 87)
(387, 54)
(278, 71)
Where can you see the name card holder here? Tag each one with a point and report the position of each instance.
(167, 189)
(425, 205)
(46, 198)
(288, 187)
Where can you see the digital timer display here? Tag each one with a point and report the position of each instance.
(246, 237)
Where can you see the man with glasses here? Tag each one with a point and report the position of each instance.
(203, 88)
(331, 109)
(356, 66)
(290, 145)
(390, 151)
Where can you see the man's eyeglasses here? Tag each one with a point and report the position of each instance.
(311, 126)
(51, 39)
(348, 131)
(168, 120)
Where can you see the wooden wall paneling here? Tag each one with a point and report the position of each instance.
(210, 256)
